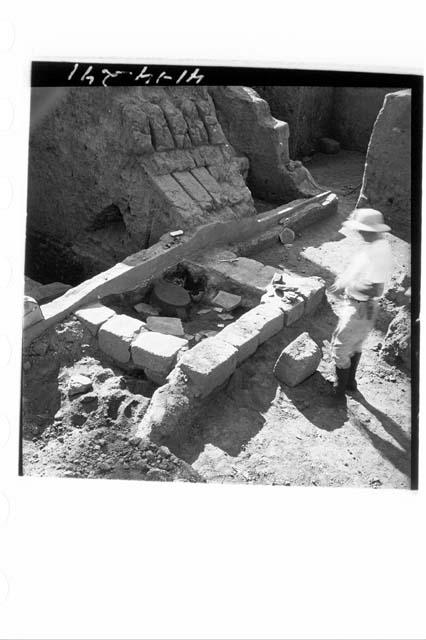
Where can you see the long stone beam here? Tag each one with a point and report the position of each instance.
(141, 268)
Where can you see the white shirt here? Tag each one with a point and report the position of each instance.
(371, 265)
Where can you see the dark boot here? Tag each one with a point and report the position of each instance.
(352, 385)
(341, 383)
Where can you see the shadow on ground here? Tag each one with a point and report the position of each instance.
(400, 456)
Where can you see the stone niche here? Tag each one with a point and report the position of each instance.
(112, 169)
(387, 175)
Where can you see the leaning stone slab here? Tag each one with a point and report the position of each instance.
(94, 315)
(243, 338)
(117, 334)
(156, 351)
(265, 320)
(209, 364)
(298, 361)
(227, 301)
(165, 325)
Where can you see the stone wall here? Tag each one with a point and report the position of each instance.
(249, 126)
(387, 175)
(112, 169)
(307, 110)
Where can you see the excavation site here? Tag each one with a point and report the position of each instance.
(182, 318)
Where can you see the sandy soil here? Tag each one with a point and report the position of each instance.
(260, 431)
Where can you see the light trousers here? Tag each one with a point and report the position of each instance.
(356, 320)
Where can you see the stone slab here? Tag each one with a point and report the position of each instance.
(94, 315)
(227, 301)
(116, 336)
(298, 361)
(242, 338)
(146, 309)
(265, 319)
(156, 351)
(209, 364)
(165, 325)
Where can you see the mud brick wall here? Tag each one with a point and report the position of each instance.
(112, 169)
(344, 113)
(387, 175)
(307, 110)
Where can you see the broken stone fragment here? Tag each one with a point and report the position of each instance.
(146, 309)
(298, 361)
(226, 301)
(79, 384)
(165, 325)
(287, 236)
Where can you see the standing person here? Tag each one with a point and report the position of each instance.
(361, 285)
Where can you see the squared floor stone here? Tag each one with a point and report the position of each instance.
(117, 334)
(244, 339)
(227, 301)
(298, 361)
(209, 364)
(265, 319)
(156, 351)
(165, 325)
(94, 315)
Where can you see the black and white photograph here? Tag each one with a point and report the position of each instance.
(211, 352)
(221, 280)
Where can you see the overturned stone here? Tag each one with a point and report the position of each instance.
(298, 361)
(209, 364)
(156, 351)
(94, 315)
(116, 336)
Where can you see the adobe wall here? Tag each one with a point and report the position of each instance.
(387, 175)
(307, 110)
(112, 169)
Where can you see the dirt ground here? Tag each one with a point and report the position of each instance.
(254, 430)
(259, 431)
